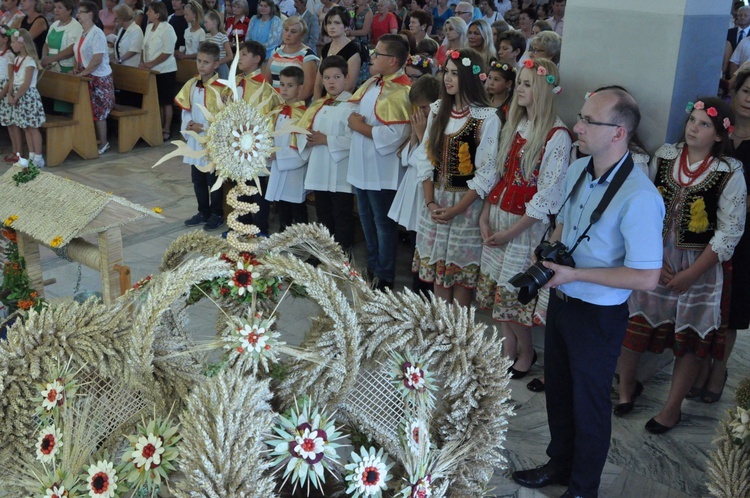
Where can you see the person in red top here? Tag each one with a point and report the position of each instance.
(236, 24)
(384, 21)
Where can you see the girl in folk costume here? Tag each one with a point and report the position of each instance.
(501, 78)
(704, 193)
(27, 113)
(457, 169)
(533, 159)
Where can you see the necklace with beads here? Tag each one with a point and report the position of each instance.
(460, 114)
(684, 169)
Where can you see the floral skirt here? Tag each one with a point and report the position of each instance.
(5, 108)
(102, 91)
(500, 264)
(449, 254)
(28, 112)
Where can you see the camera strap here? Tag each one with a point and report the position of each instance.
(614, 186)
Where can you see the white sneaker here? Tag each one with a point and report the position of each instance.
(39, 161)
(104, 148)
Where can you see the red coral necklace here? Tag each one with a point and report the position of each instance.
(684, 169)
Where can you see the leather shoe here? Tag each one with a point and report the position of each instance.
(541, 476)
(536, 385)
(570, 494)
(655, 427)
(625, 408)
(519, 374)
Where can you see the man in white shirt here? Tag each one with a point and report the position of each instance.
(558, 12)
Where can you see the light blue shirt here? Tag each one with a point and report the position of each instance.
(629, 233)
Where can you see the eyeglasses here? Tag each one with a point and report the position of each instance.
(586, 121)
(462, 13)
(536, 50)
(376, 54)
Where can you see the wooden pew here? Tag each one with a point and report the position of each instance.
(73, 132)
(186, 69)
(135, 123)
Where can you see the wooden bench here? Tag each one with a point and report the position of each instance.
(73, 132)
(186, 69)
(142, 122)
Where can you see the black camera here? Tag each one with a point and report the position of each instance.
(537, 275)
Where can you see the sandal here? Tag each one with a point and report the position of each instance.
(11, 158)
(166, 135)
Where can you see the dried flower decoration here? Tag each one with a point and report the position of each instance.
(699, 105)
(305, 446)
(368, 473)
(502, 66)
(57, 393)
(557, 90)
(101, 480)
(454, 54)
(49, 444)
(152, 455)
(482, 77)
(10, 219)
(740, 424)
(711, 111)
(529, 63)
(56, 242)
(413, 380)
(541, 71)
(466, 62)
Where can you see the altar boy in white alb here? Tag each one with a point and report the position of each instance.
(379, 128)
(326, 149)
(286, 181)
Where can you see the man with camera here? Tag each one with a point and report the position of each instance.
(610, 243)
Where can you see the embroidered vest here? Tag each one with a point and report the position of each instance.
(457, 164)
(513, 190)
(700, 205)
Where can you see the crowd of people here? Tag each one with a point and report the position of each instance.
(441, 118)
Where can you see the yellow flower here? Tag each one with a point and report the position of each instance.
(698, 216)
(464, 159)
(10, 220)
(158, 210)
(56, 242)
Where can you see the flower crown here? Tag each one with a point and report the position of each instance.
(10, 32)
(711, 111)
(542, 71)
(419, 61)
(466, 62)
(502, 66)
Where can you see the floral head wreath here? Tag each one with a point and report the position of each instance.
(711, 111)
(419, 61)
(466, 62)
(10, 32)
(502, 66)
(542, 71)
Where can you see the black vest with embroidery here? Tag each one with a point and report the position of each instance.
(709, 190)
(457, 165)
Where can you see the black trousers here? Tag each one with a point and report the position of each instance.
(335, 210)
(291, 213)
(208, 202)
(581, 345)
(259, 219)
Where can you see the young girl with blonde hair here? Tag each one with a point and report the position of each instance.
(533, 158)
(27, 113)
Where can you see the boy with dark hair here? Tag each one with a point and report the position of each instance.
(511, 46)
(379, 128)
(286, 183)
(205, 90)
(326, 149)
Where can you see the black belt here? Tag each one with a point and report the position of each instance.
(564, 297)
